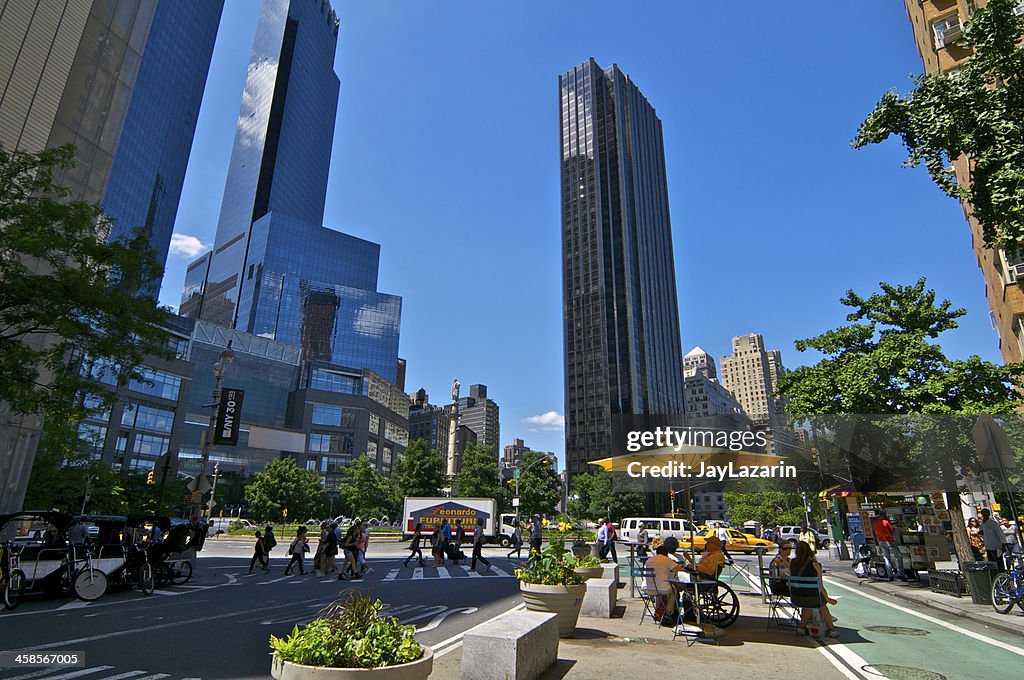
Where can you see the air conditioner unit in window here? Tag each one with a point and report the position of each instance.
(1017, 272)
(948, 36)
(1019, 9)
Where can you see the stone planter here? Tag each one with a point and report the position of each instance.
(589, 572)
(580, 550)
(414, 670)
(564, 601)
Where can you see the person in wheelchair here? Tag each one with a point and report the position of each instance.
(713, 559)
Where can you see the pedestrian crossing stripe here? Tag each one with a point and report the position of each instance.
(424, 574)
(89, 674)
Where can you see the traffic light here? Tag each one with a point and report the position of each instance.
(150, 478)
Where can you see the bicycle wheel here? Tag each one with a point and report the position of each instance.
(90, 584)
(145, 578)
(14, 588)
(1004, 594)
(181, 574)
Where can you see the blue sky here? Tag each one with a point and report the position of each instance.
(446, 153)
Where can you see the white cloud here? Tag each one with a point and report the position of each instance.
(549, 422)
(184, 245)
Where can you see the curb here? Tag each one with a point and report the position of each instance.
(940, 607)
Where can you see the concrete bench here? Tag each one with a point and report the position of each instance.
(518, 645)
(601, 598)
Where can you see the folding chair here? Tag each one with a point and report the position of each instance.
(649, 596)
(780, 610)
(806, 592)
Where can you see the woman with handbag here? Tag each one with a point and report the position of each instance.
(298, 549)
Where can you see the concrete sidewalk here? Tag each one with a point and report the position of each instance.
(622, 647)
(918, 593)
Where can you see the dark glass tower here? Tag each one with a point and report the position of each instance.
(622, 342)
(144, 187)
(282, 150)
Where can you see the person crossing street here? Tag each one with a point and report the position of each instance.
(478, 544)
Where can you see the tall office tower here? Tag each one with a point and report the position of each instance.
(86, 72)
(622, 350)
(708, 402)
(513, 453)
(937, 25)
(428, 422)
(145, 182)
(282, 149)
(751, 374)
(480, 414)
(275, 271)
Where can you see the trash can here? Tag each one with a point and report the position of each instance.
(980, 576)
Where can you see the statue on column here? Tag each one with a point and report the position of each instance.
(455, 390)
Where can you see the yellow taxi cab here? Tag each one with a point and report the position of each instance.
(738, 541)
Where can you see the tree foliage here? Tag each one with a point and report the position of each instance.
(751, 501)
(591, 495)
(283, 485)
(420, 472)
(978, 111)
(478, 473)
(540, 489)
(66, 291)
(363, 492)
(885, 363)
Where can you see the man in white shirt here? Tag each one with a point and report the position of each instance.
(723, 535)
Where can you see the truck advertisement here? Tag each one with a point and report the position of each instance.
(430, 512)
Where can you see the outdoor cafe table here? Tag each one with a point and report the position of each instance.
(681, 582)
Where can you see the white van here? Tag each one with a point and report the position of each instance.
(629, 528)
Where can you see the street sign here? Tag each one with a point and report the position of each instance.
(211, 504)
(515, 502)
(515, 473)
(229, 417)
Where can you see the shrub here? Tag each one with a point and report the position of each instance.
(553, 567)
(350, 633)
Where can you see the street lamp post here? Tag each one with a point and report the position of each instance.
(225, 359)
(85, 498)
(213, 492)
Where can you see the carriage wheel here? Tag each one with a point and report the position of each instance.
(181, 574)
(147, 584)
(14, 588)
(90, 584)
(720, 606)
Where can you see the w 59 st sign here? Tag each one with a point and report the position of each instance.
(229, 417)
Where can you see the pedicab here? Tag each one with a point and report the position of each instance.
(109, 553)
(35, 555)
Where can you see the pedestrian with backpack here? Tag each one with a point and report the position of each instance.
(298, 549)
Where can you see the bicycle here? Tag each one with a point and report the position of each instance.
(1008, 588)
(12, 578)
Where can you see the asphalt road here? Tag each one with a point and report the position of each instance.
(217, 625)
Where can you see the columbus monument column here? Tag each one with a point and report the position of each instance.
(453, 428)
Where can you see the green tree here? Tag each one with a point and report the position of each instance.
(540, 489)
(884, 363)
(66, 292)
(749, 501)
(420, 472)
(364, 493)
(592, 495)
(978, 111)
(478, 474)
(284, 486)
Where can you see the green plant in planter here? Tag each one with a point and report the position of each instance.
(350, 633)
(586, 562)
(552, 567)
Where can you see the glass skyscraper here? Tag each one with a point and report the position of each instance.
(282, 149)
(622, 344)
(144, 187)
(275, 271)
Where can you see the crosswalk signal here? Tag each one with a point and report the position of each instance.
(150, 478)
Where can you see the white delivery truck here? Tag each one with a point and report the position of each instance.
(430, 512)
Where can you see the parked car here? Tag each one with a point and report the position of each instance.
(738, 541)
(791, 532)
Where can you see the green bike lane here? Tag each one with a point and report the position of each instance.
(897, 640)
